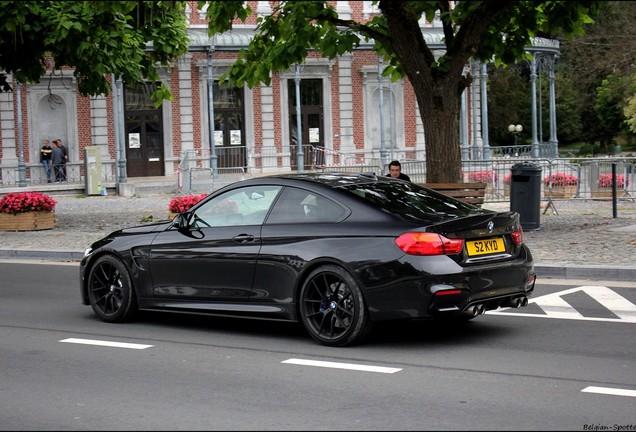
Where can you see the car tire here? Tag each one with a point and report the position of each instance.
(332, 307)
(110, 290)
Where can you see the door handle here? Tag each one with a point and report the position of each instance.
(243, 238)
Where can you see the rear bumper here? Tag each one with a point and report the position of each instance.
(486, 287)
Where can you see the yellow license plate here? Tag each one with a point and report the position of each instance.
(485, 247)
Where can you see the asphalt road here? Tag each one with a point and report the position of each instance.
(539, 368)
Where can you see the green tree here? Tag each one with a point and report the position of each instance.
(568, 101)
(486, 30)
(607, 47)
(630, 107)
(609, 106)
(508, 102)
(93, 38)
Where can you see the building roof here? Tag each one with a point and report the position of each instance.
(240, 37)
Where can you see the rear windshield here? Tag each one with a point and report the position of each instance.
(411, 201)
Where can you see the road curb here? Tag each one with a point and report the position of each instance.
(57, 255)
(577, 271)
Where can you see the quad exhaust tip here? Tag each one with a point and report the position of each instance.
(478, 309)
(518, 302)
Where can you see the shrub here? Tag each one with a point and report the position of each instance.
(183, 203)
(561, 179)
(605, 181)
(482, 176)
(24, 202)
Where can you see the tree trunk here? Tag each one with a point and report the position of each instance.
(440, 117)
(437, 89)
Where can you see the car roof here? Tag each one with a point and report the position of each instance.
(332, 180)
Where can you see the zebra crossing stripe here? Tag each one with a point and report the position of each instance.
(614, 302)
(554, 306)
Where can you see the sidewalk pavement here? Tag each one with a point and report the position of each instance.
(576, 239)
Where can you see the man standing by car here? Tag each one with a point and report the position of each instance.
(46, 152)
(58, 143)
(58, 162)
(395, 171)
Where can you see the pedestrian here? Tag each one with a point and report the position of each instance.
(46, 152)
(58, 142)
(395, 171)
(57, 158)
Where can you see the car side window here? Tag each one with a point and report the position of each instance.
(243, 206)
(302, 206)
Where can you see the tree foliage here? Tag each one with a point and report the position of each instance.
(630, 106)
(608, 47)
(95, 39)
(609, 106)
(485, 30)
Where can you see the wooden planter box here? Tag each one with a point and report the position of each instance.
(561, 191)
(29, 221)
(604, 193)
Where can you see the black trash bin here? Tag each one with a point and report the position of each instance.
(525, 194)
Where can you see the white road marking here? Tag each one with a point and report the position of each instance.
(106, 343)
(555, 306)
(349, 366)
(609, 391)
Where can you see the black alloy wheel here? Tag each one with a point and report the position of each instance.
(332, 307)
(110, 290)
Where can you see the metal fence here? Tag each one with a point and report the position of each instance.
(35, 174)
(561, 178)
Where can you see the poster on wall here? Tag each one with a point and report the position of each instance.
(235, 137)
(218, 138)
(314, 135)
(134, 140)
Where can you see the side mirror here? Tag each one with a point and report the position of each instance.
(180, 221)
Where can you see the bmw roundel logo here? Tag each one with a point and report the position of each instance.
(491, 225)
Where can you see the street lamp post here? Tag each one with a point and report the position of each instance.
(515, 130)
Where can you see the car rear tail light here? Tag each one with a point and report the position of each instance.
(517, 236)
(426, 243)
(448, 292)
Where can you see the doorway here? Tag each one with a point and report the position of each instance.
(311, 122)
(144, 132)
(229, 127)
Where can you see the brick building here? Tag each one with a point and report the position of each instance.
(348, 113)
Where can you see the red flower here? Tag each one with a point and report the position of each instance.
(183, 203)
(561, 179)
(605, 181)
(482, 176)
(24, 202)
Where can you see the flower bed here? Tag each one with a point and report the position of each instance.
(24, 202)
(563, 185)
(482, 176)
(605, 181)
(604, 184)
(27, 211)
(183, 203)
(561, 179)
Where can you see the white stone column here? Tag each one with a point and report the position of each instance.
(345, 88)
(185, 100)
(7, 129)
